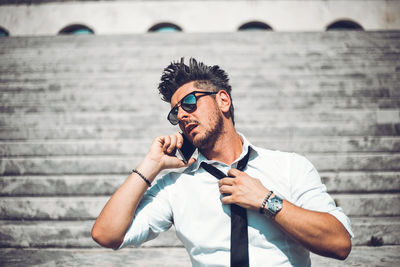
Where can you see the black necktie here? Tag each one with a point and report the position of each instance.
(239, 236)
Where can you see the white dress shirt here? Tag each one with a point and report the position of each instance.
(192, 202)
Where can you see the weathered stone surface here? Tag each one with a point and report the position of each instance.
(386, 230)
(257, 46)
(59, 185)
(77, 147)
(369, 204)
(361, 181)
(106, 184)
(355, 162)
(123, 164)
(81, 208)
(56, 208)
(161, 127)
(140, 147)
(326, 144)
(68, 165)
(357, 117)
(157, 257)
(151, 257)
(64, 234)
(67, 234)
(77, 114)
(363, 256)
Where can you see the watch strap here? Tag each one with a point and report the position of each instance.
(265, 201)
(274, 206)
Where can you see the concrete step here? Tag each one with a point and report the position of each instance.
(106, 184)
(173, 257)
(132, 147)
(286, 99)
(247, 82)
(70, 234)
(76, 234)
(84, 208)
(149, 257)
(290, 43)
(80, 65)
(374, 39)
(134, 131)
(258, 81)
(122, 164)
(46, 64)
(258, 116)
(238, 45)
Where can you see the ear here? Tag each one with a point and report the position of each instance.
(223, 100)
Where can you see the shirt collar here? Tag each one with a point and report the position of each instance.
(246, 144)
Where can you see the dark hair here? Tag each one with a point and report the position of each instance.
(211, 78)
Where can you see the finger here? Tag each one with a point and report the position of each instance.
(226, 189)
(172, 145)
(167, 142)
(234, 172)
(226, 181)
(179, 139)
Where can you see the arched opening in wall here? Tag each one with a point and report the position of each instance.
(165, 27)
(255, 26)
(76, 29)
(344, 25)
(4, 32)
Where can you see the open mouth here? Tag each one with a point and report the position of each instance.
(190, 127)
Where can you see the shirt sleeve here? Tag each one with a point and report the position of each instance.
(310, 193)
(153, 216)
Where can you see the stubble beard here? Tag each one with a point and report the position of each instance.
(209, 138)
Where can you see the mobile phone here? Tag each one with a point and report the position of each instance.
(187, 149)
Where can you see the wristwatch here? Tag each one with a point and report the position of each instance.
(274, 206)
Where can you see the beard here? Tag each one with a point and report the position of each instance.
(207, 140)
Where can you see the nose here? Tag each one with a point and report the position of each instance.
(182, 114)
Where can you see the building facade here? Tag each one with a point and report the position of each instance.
(25, 18)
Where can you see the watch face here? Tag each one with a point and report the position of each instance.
(274, 205)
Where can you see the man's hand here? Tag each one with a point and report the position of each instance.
(162, 153)
(242, 190)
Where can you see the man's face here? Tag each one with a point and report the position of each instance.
(203, 125)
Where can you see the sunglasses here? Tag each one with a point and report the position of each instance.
(187, 103)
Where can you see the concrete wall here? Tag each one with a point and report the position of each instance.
(126, 17)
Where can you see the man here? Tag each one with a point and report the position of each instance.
(286, 207)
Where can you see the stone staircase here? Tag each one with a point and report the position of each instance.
(79, 112)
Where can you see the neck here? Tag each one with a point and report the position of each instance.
(226, 149)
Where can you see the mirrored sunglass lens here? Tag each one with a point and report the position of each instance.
(172, 115)
(190, 99)
(173, 118)
(189, 103)
(188, 107)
